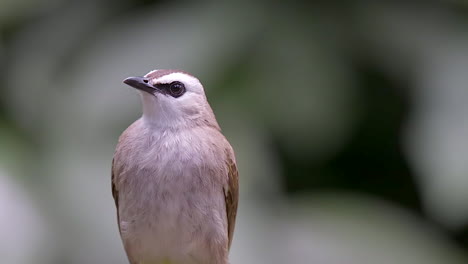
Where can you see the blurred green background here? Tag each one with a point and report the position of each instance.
(349, 120)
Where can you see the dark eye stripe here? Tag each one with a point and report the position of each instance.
(162, 86)
(165, 88)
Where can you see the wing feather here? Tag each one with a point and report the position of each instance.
(231, 195)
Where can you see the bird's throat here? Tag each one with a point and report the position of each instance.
(152, 111)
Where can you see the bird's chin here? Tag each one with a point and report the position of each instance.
(148, 95)
(148, 99)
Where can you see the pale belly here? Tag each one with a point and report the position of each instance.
(169, 221)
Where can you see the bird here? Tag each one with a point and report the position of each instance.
(174, 176)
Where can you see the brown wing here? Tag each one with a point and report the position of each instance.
(231, 195)
(115, 194)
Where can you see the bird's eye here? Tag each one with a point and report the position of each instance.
(176, 89)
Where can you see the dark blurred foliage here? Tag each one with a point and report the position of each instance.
(372, 162)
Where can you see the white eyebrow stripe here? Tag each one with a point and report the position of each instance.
(177, 76)
(156, 74)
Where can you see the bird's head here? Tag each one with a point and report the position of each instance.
(173, 99)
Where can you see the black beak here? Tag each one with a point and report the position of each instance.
(140, 83)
